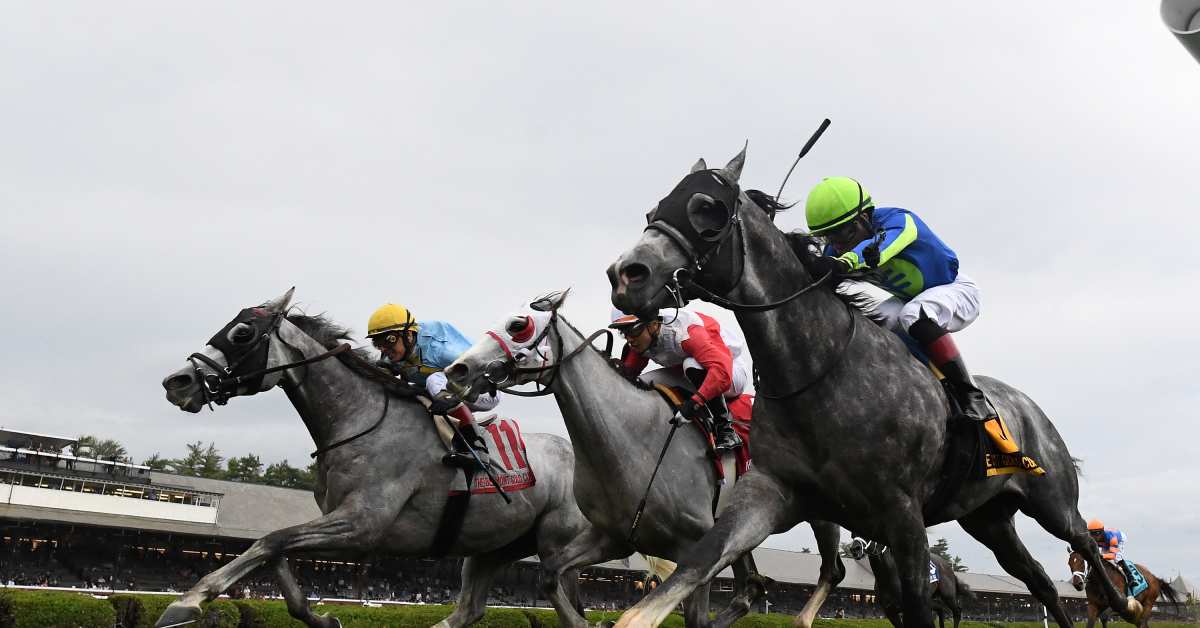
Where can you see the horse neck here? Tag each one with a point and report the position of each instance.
(332, 400)
(799, 338)
(605, 415)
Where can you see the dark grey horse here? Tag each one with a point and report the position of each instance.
(848, 427)
(383, 492)
(947, 594)
(618, 430)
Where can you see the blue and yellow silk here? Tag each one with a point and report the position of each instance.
(912, 258)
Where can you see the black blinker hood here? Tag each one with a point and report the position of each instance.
(250, 356)
(715, 254)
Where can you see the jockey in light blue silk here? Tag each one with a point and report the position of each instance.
(417, 352)
(1112, 545)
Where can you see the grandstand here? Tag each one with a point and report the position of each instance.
(77, 522)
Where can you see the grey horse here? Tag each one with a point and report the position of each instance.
(948, 592)
(618, 430)
(384, 489)
(848, 427)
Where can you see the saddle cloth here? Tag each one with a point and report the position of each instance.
(506, 450)
(934, 576)
(1137, 584)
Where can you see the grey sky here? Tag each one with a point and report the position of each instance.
(163, 166)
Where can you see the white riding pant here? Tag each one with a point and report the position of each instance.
(674, 376)
(436, 383)
(952, 306)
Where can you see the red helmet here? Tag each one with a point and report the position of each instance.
(1095, 525)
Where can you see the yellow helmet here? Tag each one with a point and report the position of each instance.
(391, 317)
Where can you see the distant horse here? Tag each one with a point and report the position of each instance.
(948, 592)
(848, 427)
(1095, 597)
(381, 485)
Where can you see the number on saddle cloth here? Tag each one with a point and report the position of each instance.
(1135, 582)
(933, 572)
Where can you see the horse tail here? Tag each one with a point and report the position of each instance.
(1169, 592)
(965, 592)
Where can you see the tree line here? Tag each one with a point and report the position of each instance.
(206, 461)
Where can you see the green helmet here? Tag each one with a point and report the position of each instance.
(835, 201)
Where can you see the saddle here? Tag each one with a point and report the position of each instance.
(739, 409)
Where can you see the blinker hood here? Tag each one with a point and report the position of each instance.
(249, 356)
(700, 230)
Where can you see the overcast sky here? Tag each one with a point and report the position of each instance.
(163, 166)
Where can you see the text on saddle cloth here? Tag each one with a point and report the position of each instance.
(934, 577)
(1136, 584)
(1001, 455)
(508, 458)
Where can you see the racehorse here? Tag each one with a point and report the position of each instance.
(380, 481)
(617, 430)
(948, 590)
(848, 426)
(1156, 587)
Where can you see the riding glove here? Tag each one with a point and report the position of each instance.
(836, 267)
(443, 403)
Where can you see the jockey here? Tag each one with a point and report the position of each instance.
(695, 346)
(930, 297)
(1112, 545)
(417, 352)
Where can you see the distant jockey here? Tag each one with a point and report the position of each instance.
(931, 298)
(695, 346)
(417, 352)
(1112, 545)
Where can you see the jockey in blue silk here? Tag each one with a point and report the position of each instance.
(417, 353)
(1112, 545)
(930, 296)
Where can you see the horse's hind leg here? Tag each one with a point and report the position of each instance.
(297, 604)
(832, 570)
(1058, 515)
(695, 607)
(993, 526)
(759, 506)
(563, 562)
(478, 571)
(749, 586)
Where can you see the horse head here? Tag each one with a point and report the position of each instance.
(516, 351)
(859, 548)
(234, 361)
(690, 236)
(1078, 567)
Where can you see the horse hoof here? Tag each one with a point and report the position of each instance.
(178, 614)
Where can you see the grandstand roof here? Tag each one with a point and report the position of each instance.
(18, 438)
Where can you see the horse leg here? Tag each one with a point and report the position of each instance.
(297, 603)
(749, 587)
(993, 526)
(478, 571)
(695, 607)
(758, 508)
(347, 528)
(893, 615)
(833, 571)
(910, 550)
(1092, 613)
(564, 563)
(1058, 515)
(956, 612)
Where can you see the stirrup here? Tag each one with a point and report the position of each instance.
(464, 460)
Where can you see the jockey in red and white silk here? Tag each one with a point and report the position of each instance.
(694, 349)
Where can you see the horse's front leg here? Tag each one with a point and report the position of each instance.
(833, 571)
(352, 526)
(297, 603)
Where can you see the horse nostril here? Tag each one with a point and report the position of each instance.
(457, 372)
(176, 382)
(635, 272)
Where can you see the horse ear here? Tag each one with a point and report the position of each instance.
(280, 304)
(699, 165)
(550, 302)
(733, 169)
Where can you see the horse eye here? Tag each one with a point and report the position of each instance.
(242, 334)
(517, 325)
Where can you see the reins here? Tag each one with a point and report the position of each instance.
(512, 367)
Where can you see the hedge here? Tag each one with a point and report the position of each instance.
(47, 609)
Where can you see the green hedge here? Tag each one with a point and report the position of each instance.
(47, 609)
(43, 609)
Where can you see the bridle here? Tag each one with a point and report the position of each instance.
(685, 278)
(224, 382)
(503, 371)
(868, 547)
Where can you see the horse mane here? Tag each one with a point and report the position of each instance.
(330, 334)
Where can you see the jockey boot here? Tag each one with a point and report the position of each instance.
(943, 353)
(466, 441)
(726, 438)
(1129, 584)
